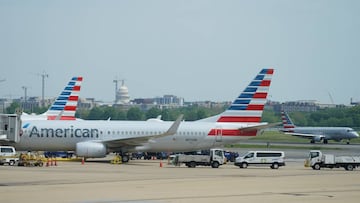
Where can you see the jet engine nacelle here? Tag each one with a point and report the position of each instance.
(318, 138)
(91, 149)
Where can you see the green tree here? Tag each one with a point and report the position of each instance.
(95, 114)
(12, 108)
(153, 113)
(134, 114)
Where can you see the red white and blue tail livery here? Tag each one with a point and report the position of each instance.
(64, 107)
(249, 106)
(288, 125)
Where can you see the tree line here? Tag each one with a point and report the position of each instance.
(347, 116)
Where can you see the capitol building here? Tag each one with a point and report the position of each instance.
(122, 94)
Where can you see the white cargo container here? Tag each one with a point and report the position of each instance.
(318, 160)
(214, 159)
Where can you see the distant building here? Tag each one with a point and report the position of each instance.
(167, 101)
(122, 94)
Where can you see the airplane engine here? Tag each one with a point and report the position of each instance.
(91, 149)
(318, 138)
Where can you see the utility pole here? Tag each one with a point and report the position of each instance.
(25, 95)
(43, 76)
(116, 81)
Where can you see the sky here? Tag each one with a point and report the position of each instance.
(200, 50)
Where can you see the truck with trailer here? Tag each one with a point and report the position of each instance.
(274, 159)
(8, 155)
(214, 158)
(318, 160)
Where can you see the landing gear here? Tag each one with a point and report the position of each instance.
(312, 141)
(124, 156)
(325, 141)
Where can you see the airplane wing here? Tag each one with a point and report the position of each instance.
(261, 126)
(137, 141)
(305, 135)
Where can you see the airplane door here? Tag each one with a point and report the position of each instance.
(218, 134)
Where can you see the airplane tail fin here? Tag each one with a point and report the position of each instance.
(64, 107)
(249, 106)
(288, 125)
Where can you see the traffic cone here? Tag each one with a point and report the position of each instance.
(161, 164)
(47, 162)
(83, 161)
(55, 162)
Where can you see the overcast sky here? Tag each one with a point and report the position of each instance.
(198, 50)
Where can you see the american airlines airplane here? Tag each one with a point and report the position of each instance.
(92, 139)
(64, 107)
(317, 134)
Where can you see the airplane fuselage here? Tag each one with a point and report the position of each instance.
(55, 135)
(329, 133)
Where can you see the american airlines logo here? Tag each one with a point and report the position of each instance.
(64, 132)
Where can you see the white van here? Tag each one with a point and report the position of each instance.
(274, 159)
(8, 155)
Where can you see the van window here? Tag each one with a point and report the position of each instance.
(249, 156)
(6, 150)
(268, 154)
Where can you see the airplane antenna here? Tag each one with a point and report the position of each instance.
(43, 76)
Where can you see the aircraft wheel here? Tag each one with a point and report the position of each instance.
(125, 158)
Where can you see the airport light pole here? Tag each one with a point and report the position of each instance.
(25, 95)
(43, 76)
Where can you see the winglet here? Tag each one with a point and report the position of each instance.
(175, 126)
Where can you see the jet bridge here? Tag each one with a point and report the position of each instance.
(10, 128)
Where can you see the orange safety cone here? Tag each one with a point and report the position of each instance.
(160, 164)
(47, 162)
(55, 162)
(83, 161)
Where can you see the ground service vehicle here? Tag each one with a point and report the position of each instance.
(8, 155)
(215, 158)
(318, 160)
(31, 159)
(274, 159)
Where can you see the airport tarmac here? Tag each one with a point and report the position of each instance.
(146, 181)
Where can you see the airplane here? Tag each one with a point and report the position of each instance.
(64, 107)
(95, 139)
(317, 134)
